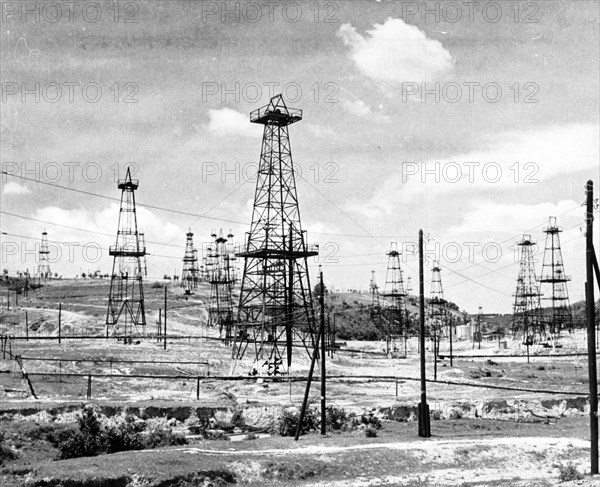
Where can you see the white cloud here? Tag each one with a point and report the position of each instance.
(395, 52)
(231, 122)
(14, 188)
(357, 107)
(486, 215)
(510, 160)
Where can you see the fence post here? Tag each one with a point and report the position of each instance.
(59, 319)
(197, 388)
(89, 387)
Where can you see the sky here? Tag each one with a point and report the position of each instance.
(473, 122)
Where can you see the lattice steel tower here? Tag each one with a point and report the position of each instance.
(126, 297)
(276, 307)
(526, 311)
(221, 276)
(43, 262)
(394, 296)
(558, 317)
(191, 273)
(437, 303)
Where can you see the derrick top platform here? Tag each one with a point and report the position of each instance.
(128, 183)
(276, 113)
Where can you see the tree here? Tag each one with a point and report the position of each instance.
(317, 289)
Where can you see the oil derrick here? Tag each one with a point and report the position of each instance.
(394, 295)
(190, 273)
(276, 307)
(526, 310)
(374, 290)
(558, 317)
(221, 277)
(126, 297)
(437, 303)
(43, 262)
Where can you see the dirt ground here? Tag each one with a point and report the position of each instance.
(483, 436)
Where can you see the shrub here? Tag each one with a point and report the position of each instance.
(88, 441)
(121, 433)
(370, 432)
(370, 420)
(569, 472)
(124, 433)
(158, 437)
(287, 423)
(336, 418)
(6, 452)
(251, 436)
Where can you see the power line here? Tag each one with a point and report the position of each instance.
(112, 235)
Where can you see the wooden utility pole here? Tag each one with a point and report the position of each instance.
(323, 351)
(424, 427)
(165, 317)
(591, 325)
(307, 390)
(451, 324)
(59, 320)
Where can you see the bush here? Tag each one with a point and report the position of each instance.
(251, 436)
(336, 418)
(370, 420)
(569, 472)
(287, 423)
(6, 452)
(370, 432)
(88, 441)
(124, 433)
(121, 433)
(158, 437)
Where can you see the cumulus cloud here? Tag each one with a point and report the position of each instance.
(395, 52)
(14, 188)
(231, 122)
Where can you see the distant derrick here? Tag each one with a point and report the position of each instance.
(553, 279)
(394, 305)
(221, 276)
(374, 290)
(527, 321)
(126, 296)
(276, 306)
(438, 314)
(43, 270)
(191, 273)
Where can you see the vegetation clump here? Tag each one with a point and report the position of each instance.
(97, 435)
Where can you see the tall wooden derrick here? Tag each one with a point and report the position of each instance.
(527, 322)
(553, 280)
(276, 310)
(221, 277)
(125, 314)
(394, 295)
